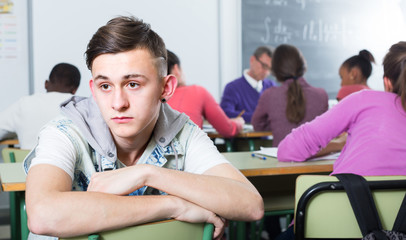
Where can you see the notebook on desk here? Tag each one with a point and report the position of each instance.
(273, 152)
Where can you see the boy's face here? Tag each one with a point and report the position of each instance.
(128, 91)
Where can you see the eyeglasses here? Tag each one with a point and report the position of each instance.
(263, 65)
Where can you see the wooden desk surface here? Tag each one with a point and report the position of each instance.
(12, 177)
(9, 142)
(248, 134)
(253, 166)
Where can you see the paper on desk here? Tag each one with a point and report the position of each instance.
(268, 151)
(208, 128)
(331, 156)
(273, 152)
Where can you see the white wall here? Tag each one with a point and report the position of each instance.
(13, 54)
(190, 28)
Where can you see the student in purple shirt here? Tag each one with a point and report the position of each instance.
(243, 93)
(280, 109)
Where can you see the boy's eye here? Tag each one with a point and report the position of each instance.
(105, 86)
(133, 85)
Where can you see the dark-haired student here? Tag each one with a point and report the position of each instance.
(26, 117)
(281, 109)
(354, 73)
(123, 156)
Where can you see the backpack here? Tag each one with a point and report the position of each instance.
(358, 191)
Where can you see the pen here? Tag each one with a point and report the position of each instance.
(258, 156)
(241, 113)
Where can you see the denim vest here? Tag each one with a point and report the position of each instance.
(165, 149)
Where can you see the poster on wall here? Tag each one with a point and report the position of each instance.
(14, 71)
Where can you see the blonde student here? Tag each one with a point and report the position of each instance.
(123, 157)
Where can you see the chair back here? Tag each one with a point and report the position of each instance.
(14, 154)
(322, 208)
(168, 229)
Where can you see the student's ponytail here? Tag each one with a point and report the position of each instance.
(296, 103)
(394, 68)
(288, 64)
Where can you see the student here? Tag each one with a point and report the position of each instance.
(354, 73)
(280, 109)
(196, 102)
(374, 121)
(163, 165)
(25, 117)
(243, 93)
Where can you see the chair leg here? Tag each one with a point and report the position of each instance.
(251, 144)
(272, 213)
(23, 216)
(229, 145)
(14, 216)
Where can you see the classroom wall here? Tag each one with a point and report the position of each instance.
(14, 77)
(205, 34)
(62, 29)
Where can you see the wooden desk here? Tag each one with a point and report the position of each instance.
(250, 135)
(254, 167)
(9, 142)
(12, 177)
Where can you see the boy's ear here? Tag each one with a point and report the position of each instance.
(91, 85)
(387, 84)
(170, 83)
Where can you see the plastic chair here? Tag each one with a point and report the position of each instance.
(168, 229)
(18, 215)
(324, 211)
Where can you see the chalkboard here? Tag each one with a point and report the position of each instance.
(326, 31)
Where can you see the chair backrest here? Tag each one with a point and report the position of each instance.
(322, 208)
(169, 229)
(14, 154)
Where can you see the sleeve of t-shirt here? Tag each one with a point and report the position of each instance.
(8, 118)
(306, 140)
(56, 149)
(201, 153)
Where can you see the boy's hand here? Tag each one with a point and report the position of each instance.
(190, 212)
(122, 181)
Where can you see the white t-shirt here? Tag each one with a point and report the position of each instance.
(56, 149)
(28, 115)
